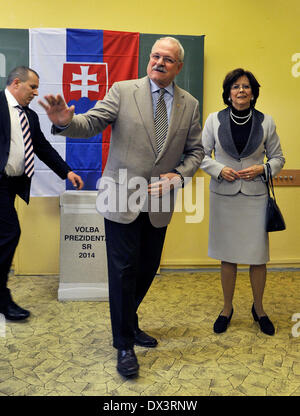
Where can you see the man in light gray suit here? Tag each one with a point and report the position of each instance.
(155, 134)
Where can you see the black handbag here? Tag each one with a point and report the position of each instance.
(274, 218)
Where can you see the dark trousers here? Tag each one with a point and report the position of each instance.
(133, 257)
(9, 233)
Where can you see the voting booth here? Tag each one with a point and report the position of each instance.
(83, 264)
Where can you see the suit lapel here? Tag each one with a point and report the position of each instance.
(256, 134)
(224, 134)
(5, 116)
(23, 188)
(143, 100)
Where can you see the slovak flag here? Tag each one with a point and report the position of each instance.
(81, 65)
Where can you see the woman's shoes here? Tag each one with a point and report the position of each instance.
(265, 324)
(222, 323)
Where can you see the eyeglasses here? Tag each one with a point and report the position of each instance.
(167, 59)
(238, 87)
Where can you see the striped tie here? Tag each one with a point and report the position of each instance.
(28, 147)
(161, 120)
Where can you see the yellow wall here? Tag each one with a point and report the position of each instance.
(261, 35)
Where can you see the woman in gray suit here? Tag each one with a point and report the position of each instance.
(240, 137)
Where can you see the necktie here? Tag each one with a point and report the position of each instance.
(28, 147)
(161, 120)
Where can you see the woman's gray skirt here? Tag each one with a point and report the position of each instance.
(237, 228)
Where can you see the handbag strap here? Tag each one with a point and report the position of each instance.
(270, 185)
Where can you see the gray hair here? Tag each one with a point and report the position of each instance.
(175, 41)
(20, 72)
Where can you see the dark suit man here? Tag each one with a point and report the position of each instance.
(15, 179)
(134, 234)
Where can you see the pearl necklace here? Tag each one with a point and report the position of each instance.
(248, 116)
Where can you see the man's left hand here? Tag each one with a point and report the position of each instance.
(167, 182)
(76, 180)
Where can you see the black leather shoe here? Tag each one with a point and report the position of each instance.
(127, 363)
(144, 340)
(13, 312)
(265, 324)
(222, 323)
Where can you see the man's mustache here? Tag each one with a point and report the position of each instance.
(159, 68)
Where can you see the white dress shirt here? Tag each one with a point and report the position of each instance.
(16, 159)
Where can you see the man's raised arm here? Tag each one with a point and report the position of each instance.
(57, 110)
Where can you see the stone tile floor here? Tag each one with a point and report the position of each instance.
(65, 349)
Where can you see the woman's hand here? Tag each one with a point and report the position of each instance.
(251, 172)
(229, 174)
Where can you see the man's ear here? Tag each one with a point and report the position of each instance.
(16, 82)
(180, 65)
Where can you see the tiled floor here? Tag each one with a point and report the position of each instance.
(65, 347)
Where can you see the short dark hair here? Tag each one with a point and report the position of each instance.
(20, 72)
(230, 79)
